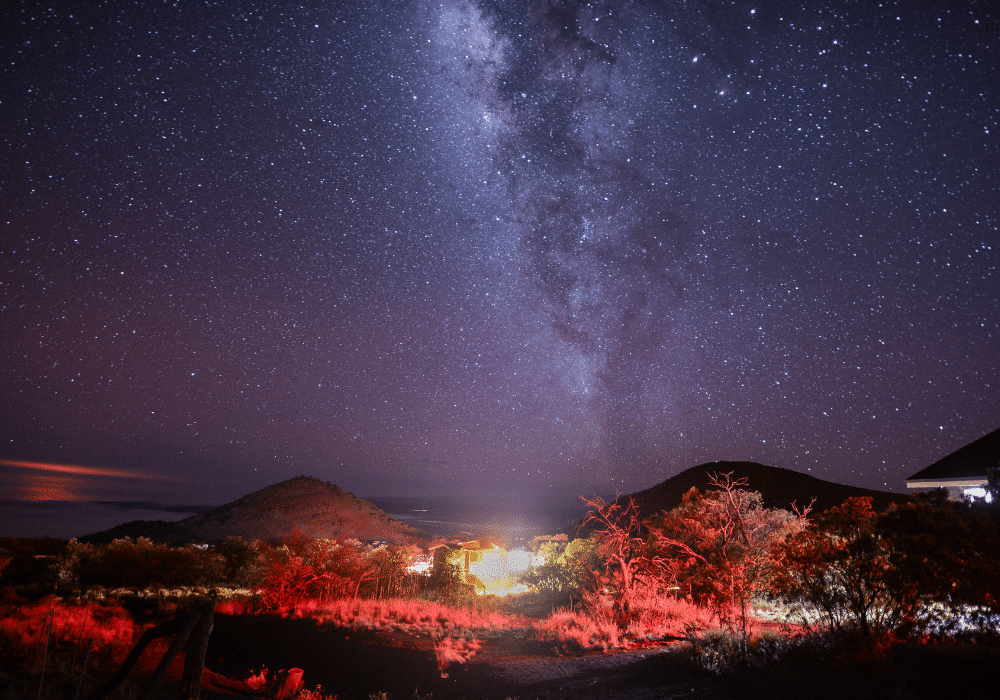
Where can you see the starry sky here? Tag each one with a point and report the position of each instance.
(512, 247)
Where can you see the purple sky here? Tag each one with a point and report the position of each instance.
(503, 247)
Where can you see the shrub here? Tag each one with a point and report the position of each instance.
(454, 649)
(139, 564)
(841, 565)
(626, 562)
(721, 651)
(728, 541)
(665, 616)
(943, 569)
(390, 578)
(301, 568)
(580, 631)
(243, 563)
(567, 567)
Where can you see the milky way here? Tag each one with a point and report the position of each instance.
(418, 247)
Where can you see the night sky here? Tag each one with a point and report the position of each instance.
(500, 247)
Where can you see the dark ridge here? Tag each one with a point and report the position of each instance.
(779, 488)
(159, 531)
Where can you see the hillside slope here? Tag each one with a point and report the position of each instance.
(304, 504)
(313, 507)
(779, 487)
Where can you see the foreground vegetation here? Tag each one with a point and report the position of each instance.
(851, 585)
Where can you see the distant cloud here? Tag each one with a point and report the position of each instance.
(83, 471)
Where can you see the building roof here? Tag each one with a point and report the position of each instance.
(471, 545)
(971, 461)
(481, 544)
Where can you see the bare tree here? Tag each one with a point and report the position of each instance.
(630, 563)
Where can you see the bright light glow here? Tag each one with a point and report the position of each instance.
(518, 560)
(979, 492)
(420, 567)
(491, 568)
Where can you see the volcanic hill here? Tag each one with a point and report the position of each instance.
(305, 504)
(779, 488)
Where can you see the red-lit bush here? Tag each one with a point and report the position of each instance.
(57, 635)
(301, 568)
(841, 565)
(627, 566)
(723, 542)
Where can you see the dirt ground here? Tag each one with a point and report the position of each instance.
(653, 671)
(355, 664)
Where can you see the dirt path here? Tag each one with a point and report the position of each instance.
(654, 671)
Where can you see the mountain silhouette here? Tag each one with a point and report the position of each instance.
(304, 504)
(779, 488)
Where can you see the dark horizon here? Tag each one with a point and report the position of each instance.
(510, 248)
(28, 483)
(436, 514)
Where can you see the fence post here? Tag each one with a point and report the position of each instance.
(45, 654)
(195, 651)
(83, 671)
(175, 646)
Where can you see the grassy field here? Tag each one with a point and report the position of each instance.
(61, 644)
(60, 648)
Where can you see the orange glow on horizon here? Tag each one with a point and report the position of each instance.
(81, 470)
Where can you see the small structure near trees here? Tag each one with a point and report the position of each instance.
(481, 563)
(965, 473)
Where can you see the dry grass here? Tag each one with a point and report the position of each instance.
(404, 615)
(579, 631)
(655, 618)
(26, 627)
(454, 650)
(69, 628)
(52, 647)
(667, 617)
(238, 605)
